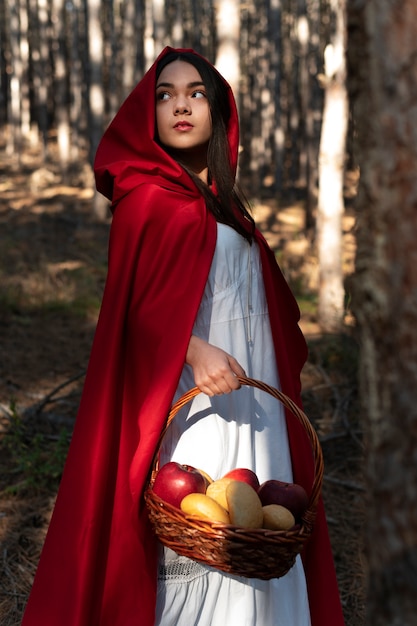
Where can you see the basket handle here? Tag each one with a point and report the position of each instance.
(287, 402)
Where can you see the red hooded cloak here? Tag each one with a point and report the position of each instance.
(98, 564)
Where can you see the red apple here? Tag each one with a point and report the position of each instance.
(175, 481)
(290, 495)
(245, 476)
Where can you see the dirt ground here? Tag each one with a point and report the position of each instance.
(52, 272)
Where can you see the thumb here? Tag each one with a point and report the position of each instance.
(236, 367)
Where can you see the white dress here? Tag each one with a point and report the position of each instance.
(245, 428)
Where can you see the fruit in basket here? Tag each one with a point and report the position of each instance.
(217, 491)
(290, 495)
(245, 475)
(277, 517)
(206, 477)
(244, 505)
(202, 506)
(174, 481)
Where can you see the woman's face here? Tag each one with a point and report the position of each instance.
(183, 116)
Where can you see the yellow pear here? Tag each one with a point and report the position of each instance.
(244, 505)
(206, 477)
(202, 506)
(217, 491)
(277, 517)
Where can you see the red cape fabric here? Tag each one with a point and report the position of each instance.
(98, 564)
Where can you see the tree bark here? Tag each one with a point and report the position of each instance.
(95, 93)
(331, 176)
(42, 75)
(159, 22)
(383, 85)
(228, 34)
(129, 43)
(14, 102)
(75, 80)
(149, 41)
(60, 83)
(313, 112)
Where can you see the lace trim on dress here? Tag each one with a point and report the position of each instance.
(180, 570)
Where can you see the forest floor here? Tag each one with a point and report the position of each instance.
(52, 272)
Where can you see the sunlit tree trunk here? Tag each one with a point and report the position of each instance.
(228, 34)
(331, 176)
(95, 91)
(24, 55)
(178, 27)
(16, 75)
(159, 18)
(149, 40)
(112, 42)
(383, 78)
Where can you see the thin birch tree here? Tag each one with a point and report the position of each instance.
(14, 102)
(95, 90)
(228, 35)
(61, 96)
(331, 176)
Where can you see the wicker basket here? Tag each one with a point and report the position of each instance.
(244, 552)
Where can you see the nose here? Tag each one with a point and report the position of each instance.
(181, 107)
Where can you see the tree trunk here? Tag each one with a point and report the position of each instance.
(75, 80)
(149, 41)
(383, 52)
(313, 113)
(60, 84)
(159, 22)
(14, 112)
(278, 131)
(331, 176)
(24, 55)
(228, 33)
(41, 70)
(129, 43)
(95, 92)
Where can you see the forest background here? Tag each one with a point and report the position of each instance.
(325, 91)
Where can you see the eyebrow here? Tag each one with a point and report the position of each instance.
(197, 83)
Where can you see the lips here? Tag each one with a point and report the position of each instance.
(183, 126)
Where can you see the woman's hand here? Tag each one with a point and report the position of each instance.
(214, 370)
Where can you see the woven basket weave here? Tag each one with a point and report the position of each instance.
(258, 553)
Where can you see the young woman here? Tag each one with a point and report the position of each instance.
(193, 296)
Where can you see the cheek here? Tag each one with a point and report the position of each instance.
(159, 121)
(208, 125)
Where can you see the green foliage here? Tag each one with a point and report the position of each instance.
(36, 460)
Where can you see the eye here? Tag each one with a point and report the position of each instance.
(199, 94)
(163, 95)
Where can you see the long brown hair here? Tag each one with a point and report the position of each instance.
(229, 205)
